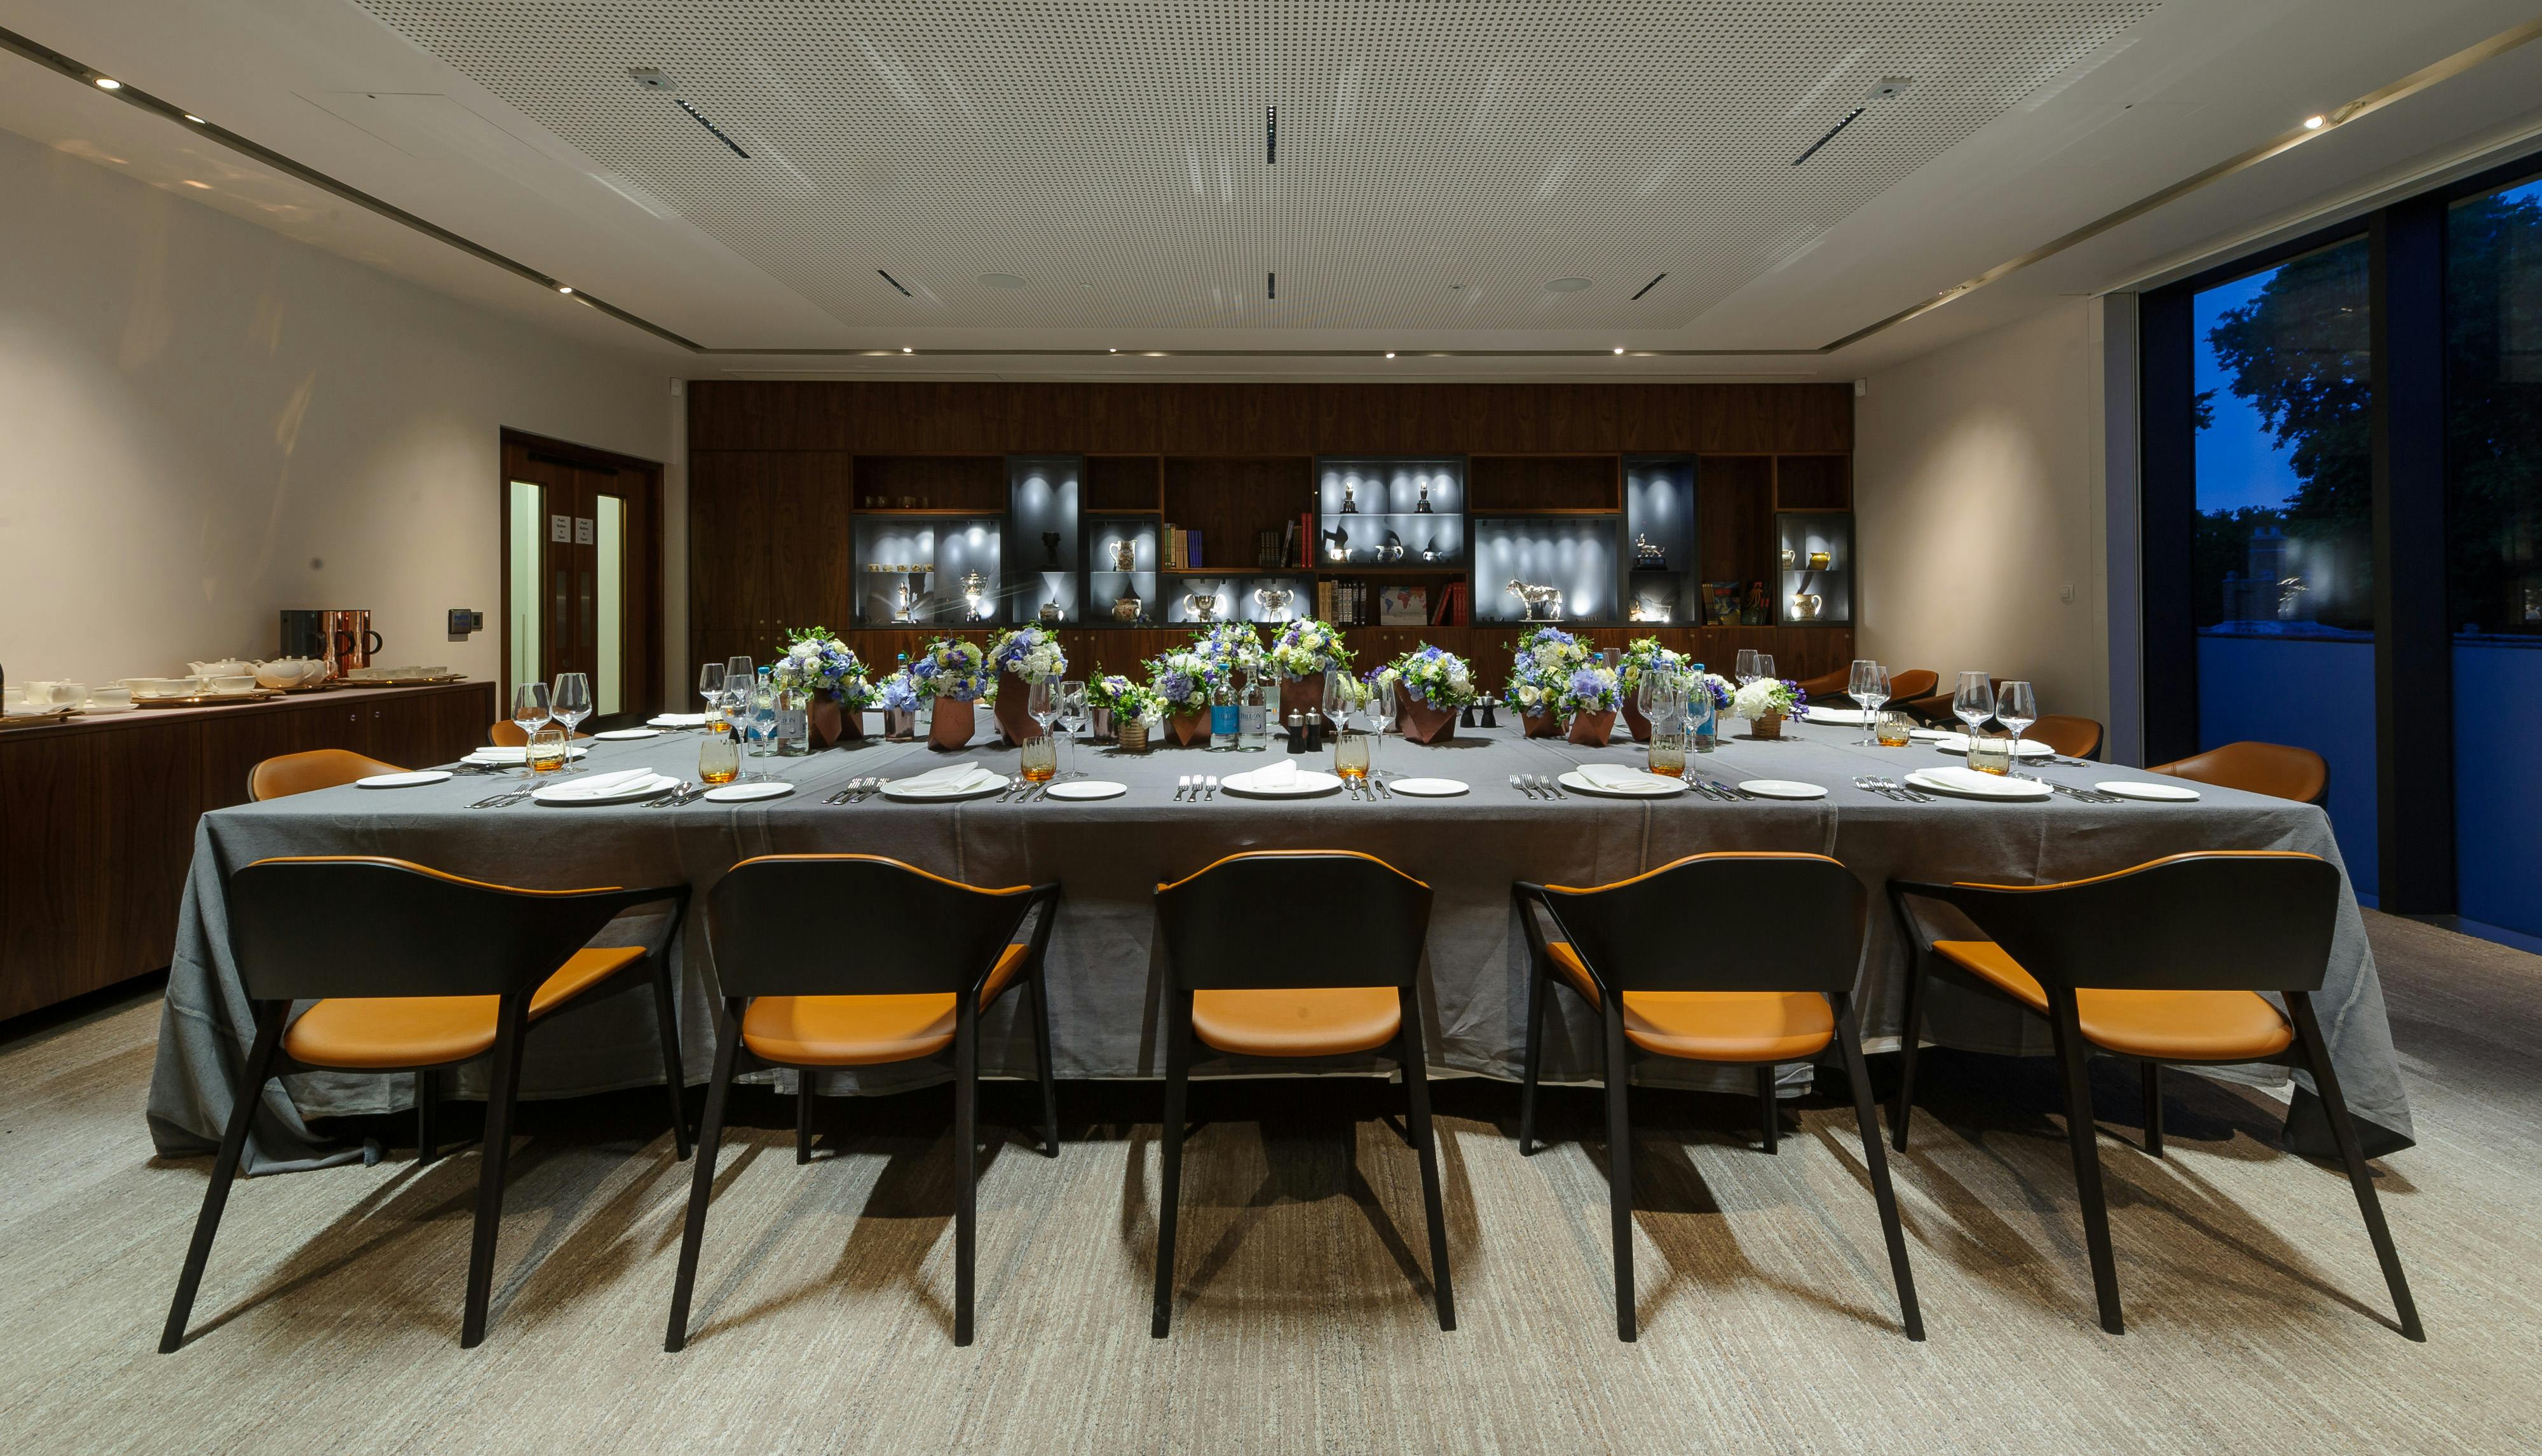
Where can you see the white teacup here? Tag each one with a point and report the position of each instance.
(37, 693)
(159, 687)
(241, 683)
(111, 698)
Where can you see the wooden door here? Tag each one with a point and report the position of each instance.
(583, 574)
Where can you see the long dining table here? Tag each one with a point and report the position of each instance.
(1103, 972)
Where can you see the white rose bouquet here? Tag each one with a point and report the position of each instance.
(816, 660)
(1767, 698)
(953, 669)
(1540, 669)
(1438, 679)
(1307, 649)
(1032, 653)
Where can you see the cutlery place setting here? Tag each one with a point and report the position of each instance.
(1892, 788)
(2078, 795)
(1193, 787)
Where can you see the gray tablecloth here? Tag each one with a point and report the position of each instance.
(1109, 855)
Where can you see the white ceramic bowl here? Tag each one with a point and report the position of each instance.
(159, 687)
(243, 683)
(114, 698)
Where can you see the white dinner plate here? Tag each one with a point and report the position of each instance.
(745, 792)
(1840, 717)
(1306, 785)
(1969, 784)
(1639, 786)
(1090, 789)
(942, 793)
(1958, 743)
(512, 757)
(566, 795)
(624, 735)
(1781, 789)
(403, 781)
(1426, 787)
(677, 721)
(2150, 793)
(1929, 735)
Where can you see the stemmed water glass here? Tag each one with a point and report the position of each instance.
(2016, 707)
(1041, 705)
(570, 699)
(1341, 695)
(1744, 671)
(529, 710)
(711, 687)
(733, 706)
(1765, 665)
(1380, 716)
(1973, 701)
(763, 725)
(1869, 689)
(1072, 716)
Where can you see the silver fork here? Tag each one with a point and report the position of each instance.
(676, 795)
(1383, 792)
(1911, 795)
(1521, 786)
(500, 799)
(2086, 795)
(1213, 787)
(1869, 785)
(1546, 787)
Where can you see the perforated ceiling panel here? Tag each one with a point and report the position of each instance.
(1438, 163)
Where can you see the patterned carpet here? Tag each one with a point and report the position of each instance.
(2258, 1323)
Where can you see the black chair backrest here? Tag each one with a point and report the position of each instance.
(898, 929)
(357, 926)
(2222, 921)
(1720, 922)
(1363, 923)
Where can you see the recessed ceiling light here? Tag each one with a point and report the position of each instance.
(564, 287)
(1389, 354)
(108, 83)
(1001, 281)
(1620, 350)
(904, 348)
(1567, 285)
(190, 117)
(2314, 124)
(1111, 350)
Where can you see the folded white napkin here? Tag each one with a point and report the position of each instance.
(1618, 779)
(948, 778)
(1843, 716)
(677, 720)
(498, 755)
(602, 786)
(1278, 774)
(1973, 782)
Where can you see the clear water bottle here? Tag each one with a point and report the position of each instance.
(1223, 717)
(1253, 719)
(1703, 722)
(794, 723)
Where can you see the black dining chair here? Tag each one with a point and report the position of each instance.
(931, 955)
(1773, 985)
(414, 971)
(1246, 994)
(2160, 964)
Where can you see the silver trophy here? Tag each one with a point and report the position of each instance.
(1201, 606)
(974, 609)
(1273, 602)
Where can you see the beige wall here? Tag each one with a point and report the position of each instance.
(202, 422)
(1978, 500)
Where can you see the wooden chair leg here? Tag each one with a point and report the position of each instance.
(1169, 1188)
(666, 1025)
(492, 1156)
(269, 1019)
(1908, 1037)
(1892, 1232)
(1770, 1118)
(1620, 1168)
(803, 1116)
(427, 1116)
(2082, 1140)
(1538, 994)
(1040, 993)
(966, 1166)
(2325, 1080)
(2151, 1078)
(1416, 1093)
(702, 1182)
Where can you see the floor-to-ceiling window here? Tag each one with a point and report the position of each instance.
(2494, 540)
(2282, 562)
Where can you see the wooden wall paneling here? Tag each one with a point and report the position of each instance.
(1813, 418)
(1235, 419)
(1654, 419)
(728, 541)
(1121, 483)
(1734, 499)
(807, 503)
(51, 835)
(1228, 500)
(935, 482)
(1813, 482)
(1082, 418)
(1543, 483)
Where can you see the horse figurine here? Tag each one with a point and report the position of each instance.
(1543, 603)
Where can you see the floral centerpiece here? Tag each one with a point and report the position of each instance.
(1589, 698)
(954, 675)
(1765, 703)
(1432, 685)
(1185, 679)
(829, 672)
(1541, 665)
(1643, 657)
(898, 698)
(1238, 645)
(1022, 656)
(1107, 694)
(1130, 705)
(1304, 651)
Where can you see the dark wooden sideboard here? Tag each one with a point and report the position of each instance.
(97, 817)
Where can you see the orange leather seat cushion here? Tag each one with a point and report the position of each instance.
(862, 1031)
(1316, 1023)
(2165, 1025)
(1714, 1026)
(358, 1033)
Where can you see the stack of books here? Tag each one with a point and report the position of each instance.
(1182, 548)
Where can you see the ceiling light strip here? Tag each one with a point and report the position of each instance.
(131, 95)
(1848, 120)
(2373, 100)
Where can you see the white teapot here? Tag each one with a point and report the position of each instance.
(292, 672)
(225, 667)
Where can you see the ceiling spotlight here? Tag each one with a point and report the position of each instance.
(1620, 350)
(190, 117)
(904, 348)
(1566, 286)
(108, 83)
(2314, 124)
(1111, 350)
(1389, 354)
(564, 287)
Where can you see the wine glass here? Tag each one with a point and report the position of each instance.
(529, 710)
(1766, 666)
(1340, 696)
(1743, 670)
(2016, 707)
(733, 704)
(1973, 700)
(761, 700)
(570, 700)
(1380, 716)
(1072, 716)
(710, 685)
(1870, 690)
